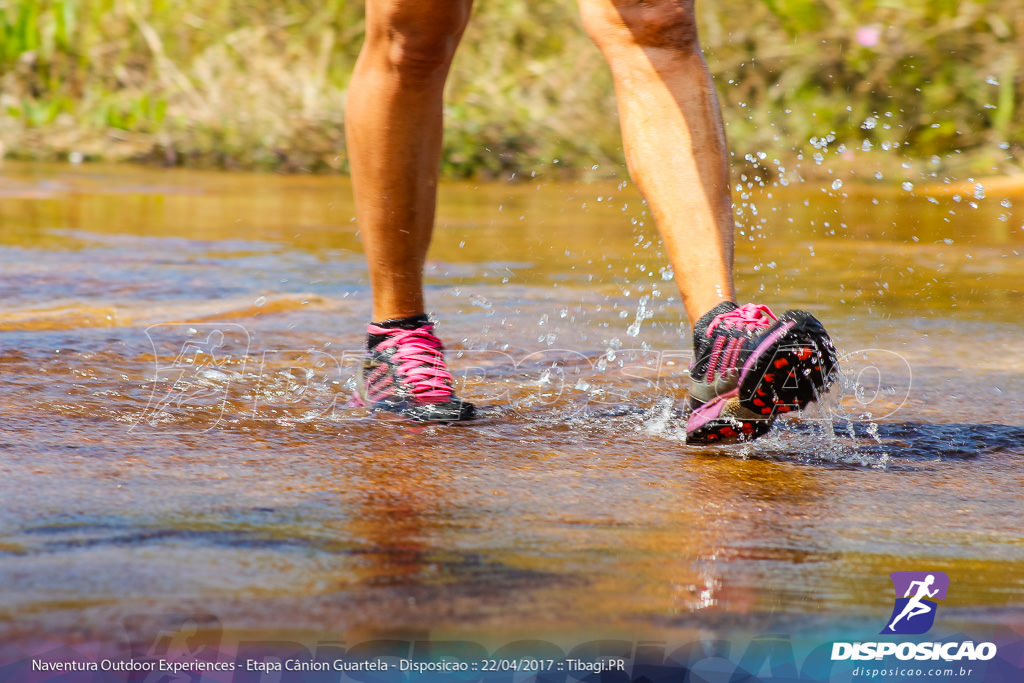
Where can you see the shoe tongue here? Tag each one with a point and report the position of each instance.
(701, 326)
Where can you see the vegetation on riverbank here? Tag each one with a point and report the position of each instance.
(262, 83)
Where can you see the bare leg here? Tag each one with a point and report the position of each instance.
(675, 147)
(393, 131)
(673, 137)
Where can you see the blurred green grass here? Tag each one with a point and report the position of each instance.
(262, 84)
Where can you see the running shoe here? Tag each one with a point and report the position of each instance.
(405, 373)
(750, 366)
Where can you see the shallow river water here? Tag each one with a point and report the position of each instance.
(177, 350)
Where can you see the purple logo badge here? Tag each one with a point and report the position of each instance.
(916, 592)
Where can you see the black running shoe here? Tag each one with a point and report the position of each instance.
(750, 366)
(405, 373)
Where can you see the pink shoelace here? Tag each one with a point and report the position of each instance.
(747, 317)
(419, 356)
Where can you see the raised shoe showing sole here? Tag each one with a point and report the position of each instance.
(750, 367)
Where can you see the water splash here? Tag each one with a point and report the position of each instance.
(642, 313)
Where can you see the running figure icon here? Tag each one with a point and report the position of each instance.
(915, 606)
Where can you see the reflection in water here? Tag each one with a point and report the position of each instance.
(178, 350)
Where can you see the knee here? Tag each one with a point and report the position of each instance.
(661, 24)
(422, 54)
(415, 46)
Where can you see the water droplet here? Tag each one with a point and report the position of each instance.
(837, 184)
(907, 185)
(260, 301)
